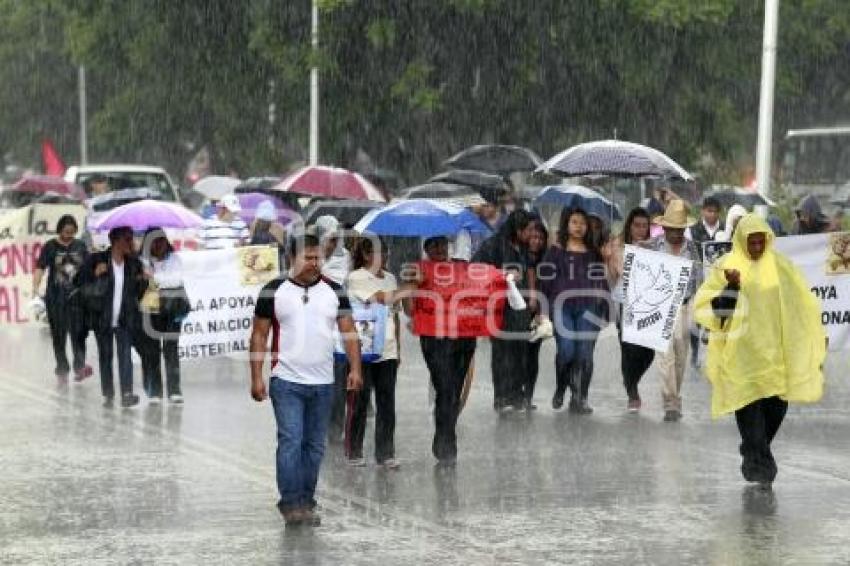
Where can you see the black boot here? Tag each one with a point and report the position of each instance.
(575, 388)
(585, 373)
(562, 379)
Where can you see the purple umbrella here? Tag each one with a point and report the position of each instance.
(144, 214)
(250, 202)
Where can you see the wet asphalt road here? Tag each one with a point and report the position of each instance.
(195, 484)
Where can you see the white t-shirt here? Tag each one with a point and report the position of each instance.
(303, 321)
(118, 291)
(218, 234)
(363, 284)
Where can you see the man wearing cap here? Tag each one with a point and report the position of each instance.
(674, 361)
(225, 229)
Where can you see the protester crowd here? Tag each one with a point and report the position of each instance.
(569, 275)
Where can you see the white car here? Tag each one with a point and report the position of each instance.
(121, 176)
(124, 178)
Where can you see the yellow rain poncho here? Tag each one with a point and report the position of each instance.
(774, 343)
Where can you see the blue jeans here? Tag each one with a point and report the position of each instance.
(575, 340)
(302, 413)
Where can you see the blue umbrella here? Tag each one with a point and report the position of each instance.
(576, 196)
(420, 218)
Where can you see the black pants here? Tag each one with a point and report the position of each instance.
(66, 320)
(380, 377)
(508, 366)
(336, 427)
(153, 347)
(532, 369)
(758, 423)
(634, 362)
(124, 340)
(448, 361)
(575, 375)
(695, 343)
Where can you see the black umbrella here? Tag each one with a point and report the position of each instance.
(264, 185)
(493, 158)
(348, 212)
(447, 192)
(475, 179)
(747, 199)
(254, 184)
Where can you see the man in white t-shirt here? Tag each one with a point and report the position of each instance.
(225, 229)
(300, 312)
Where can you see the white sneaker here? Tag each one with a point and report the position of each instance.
(154, 400)
(391, 464)
(357, 462)
(177, 399)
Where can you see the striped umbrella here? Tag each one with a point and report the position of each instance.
(616, 159)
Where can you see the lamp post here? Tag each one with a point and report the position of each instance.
(314, 91)
(81, 84)
(768, 82)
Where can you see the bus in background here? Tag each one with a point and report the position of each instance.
(817, 161)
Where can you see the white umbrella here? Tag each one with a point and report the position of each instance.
(216, 186)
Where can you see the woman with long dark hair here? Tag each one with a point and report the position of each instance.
(62, 257)
(537, 245)
(370, 282)
(634, 360)
(508, 250)
(573, 279)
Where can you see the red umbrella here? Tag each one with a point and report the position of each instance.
(329, 182)
(40, 184)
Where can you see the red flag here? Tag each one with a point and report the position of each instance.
(50, 159)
